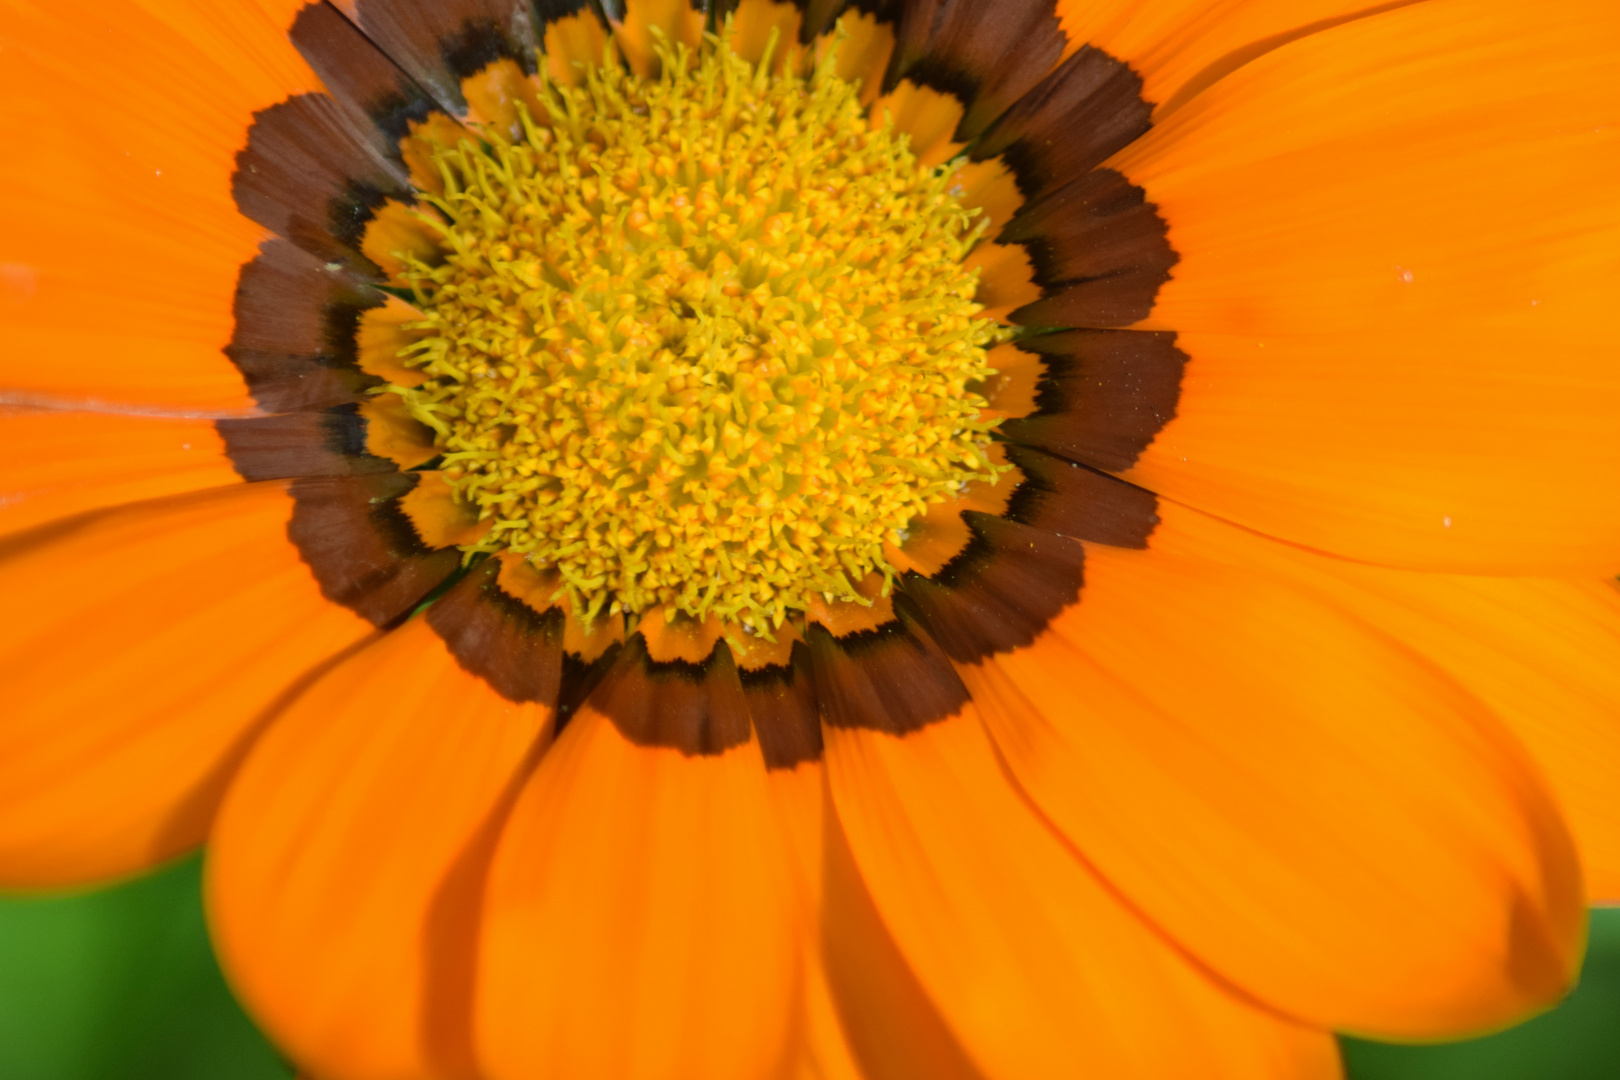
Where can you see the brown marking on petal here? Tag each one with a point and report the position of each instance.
(382, 336)
(893, 679)
(1078, 116)
(1062, 497)
(499, 638)
(358, 75)
(1105, 396)
(782, 704)
(850, 616)
(295, 326)
(438, 517)
(361, 547)
(1101, 253)
(816, 18)
(311, 173)
(541, 590)
(393, 433)
(680, 638)
(1001, 592)
(397, 230)
(441, 43)
(328, 442)
(987, 55)
(698, 709)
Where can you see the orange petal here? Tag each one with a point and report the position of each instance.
(122, 240)
(1305, 805)
(1543, 655)
(143, 647)
(346, 869)
(573, 44)
(753, 22)
(1396, 288)
(1036, 966)
(823, 1050)
(640, 917)
(678, 21)
(926, 116)
(891, 1028)
(58, 464)
(1180, 47)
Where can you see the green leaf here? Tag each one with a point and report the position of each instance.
(120, 984)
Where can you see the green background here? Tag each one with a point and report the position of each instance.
(120, 985)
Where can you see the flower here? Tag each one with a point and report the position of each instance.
(924, 539)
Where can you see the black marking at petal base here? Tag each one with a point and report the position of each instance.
(294, 339)
(1090, 107)
(499, 638)
(327, 442)
(1062, 497)
(440, 42)
(350, 211)
(550, 11)
(361, 546)
(816, 17)
(1106, 395)
(363, 81)
(1001, 591)
(782, 704)
(987, 55)
(308, 170)
(893, 679)
(1101, 252)
(698, 709)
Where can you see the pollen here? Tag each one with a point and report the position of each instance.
(700, 341)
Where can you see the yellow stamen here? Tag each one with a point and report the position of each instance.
(699, 342)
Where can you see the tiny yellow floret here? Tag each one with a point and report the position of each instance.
(702, 341)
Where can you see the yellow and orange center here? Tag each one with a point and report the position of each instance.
(702, 341)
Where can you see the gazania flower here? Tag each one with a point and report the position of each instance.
(920, 539)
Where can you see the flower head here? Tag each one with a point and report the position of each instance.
(920, 538)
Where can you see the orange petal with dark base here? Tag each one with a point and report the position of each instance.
(59, 464)
(346, 869)
(640, 918)
(1036, 966)
(1301, 802)
(1397, 290)
(144, 646)
(122, 241)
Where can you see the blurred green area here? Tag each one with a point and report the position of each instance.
(120, 985)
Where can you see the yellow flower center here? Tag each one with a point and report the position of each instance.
(702, 341)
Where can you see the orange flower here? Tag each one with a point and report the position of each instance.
(935, 538)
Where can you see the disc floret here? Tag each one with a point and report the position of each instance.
(701, 341)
